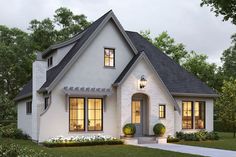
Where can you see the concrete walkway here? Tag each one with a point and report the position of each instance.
(191, 150)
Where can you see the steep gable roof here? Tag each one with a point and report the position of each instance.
(176, 78)
(25, 92)
(56, 73)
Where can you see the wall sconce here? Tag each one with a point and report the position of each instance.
(142, 82)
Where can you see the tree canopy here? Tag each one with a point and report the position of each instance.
(226, 8)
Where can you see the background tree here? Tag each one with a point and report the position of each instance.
(63, 26)
(167, 45)
(226, 8)
(226, 104)
(229, 60)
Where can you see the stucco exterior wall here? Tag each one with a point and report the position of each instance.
(89, 71)
(24, 121)
(209, 114)
(156, 93)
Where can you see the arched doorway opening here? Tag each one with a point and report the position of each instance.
(140, 114)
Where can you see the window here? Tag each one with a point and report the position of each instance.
(109, 57)
(46, 103)
(29, 107)
(136, 111)
(162, 111)
(77, 114)
(50, 61)
(187, 113)
(94, 114)
(199, 114)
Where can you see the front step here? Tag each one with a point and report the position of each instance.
(146, 140)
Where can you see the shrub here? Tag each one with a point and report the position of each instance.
(82, 141)
(10, 131)
(171, 139)
(159, 129)
(222, 126)
(197, 136)
(13, 150)
(129, 129)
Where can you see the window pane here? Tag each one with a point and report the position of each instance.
(162, 111)
(136, 112)
(199, 112)
(109, 57)
(94, 114)
(76, 114)
(187, 118)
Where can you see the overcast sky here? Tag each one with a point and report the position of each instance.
(184, 20)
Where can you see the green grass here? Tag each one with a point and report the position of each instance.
(226, 142)
(98, 151)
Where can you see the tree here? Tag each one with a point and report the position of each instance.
(229, 60)
(63, 26)
(16, 56)
(7, 108)
(226, 104)
(227, 8)
(167, 45)
(207, 72)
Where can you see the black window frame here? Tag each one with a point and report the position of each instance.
(50, 62)
(164, 111)
(81, 130)
(204, 110)
(192, 113)
(87, 118)
(109, 66)
(46, 102)
(29, 107)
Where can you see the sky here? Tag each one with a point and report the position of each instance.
(184, 20)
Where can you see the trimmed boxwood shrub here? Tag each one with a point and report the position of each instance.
(172, 139)
(129, 129)
(197, 136)
(159, 129)
(85, 143)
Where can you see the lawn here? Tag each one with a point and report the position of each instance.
(226, 142)
(98, 151)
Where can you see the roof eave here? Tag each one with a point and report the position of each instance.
(175, 94)
(16, 99)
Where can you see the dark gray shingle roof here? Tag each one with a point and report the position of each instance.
(175, 77)
(25, 92)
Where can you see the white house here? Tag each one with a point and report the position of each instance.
(105, 77)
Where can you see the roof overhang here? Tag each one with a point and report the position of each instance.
(194, 95)
(19, 98)
(87, 91)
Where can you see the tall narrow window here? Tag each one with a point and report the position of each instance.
(95, 115)
(199, 113)
(77, 116)
(50, 61)
(136, 112)
(187, 117)
(29, 107)
(162, 111)
(109, 57)
(46, 103)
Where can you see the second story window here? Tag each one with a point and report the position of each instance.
(162, 111)
(50, 61)
(29, 107)
(46, 103)
(109, 57)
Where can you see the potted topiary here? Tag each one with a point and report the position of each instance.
(129, 130)
(159, 130)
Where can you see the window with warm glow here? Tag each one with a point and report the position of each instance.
(136, 111)
(162, 111)
(187, 115)
(95, 114)
(109, 57)
(77, 114)
(199, 114)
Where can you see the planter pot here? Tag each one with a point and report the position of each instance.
(161, 140)
(129, 136)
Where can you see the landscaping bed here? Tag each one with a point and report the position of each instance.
(82, 141)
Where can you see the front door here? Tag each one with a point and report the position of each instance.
(137, 116)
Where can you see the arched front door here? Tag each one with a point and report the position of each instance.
(139, 113)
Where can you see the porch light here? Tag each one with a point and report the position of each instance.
(143, 82)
